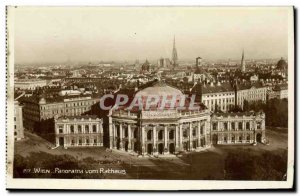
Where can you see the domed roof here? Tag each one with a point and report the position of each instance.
(281, 64)
(159, 88)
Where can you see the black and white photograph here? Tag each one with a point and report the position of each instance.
(167, 94)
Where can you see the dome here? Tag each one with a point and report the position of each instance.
(282, 64)
(161, 89)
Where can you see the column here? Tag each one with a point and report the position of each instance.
(199, 133)
(166, 140)
(154, 139)
(57, 141)
(129, 137)
(228, 125)
(180, 136)
(114, 136)
(111, 134)
(143, 140)
(191, 135)
(205, 133)
(121, 136)
(176, 138)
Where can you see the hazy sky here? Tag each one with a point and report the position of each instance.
(92, 34)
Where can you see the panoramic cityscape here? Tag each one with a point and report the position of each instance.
(176, 115)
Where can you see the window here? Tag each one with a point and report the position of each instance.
(149, 135)
(79, 129)
(233, 125)
(248, 137)
(201, 129)
(94, 128)
(233, 138)
(73, 142)
(240, 125)
(225, 126)
(60, 129)
(87, 128)
(247, 125)
(185, 133)
(258, 125)
(240, 138)
(135, 133)
(160, 135)
(79, 142)
(126, 132)
(215, 125)
(171, 135)
(72, 128)
(15, 126)
(194, 131)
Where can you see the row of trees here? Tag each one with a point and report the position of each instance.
(251, 166)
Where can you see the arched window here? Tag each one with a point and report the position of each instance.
(247, 125)
(126, 132)
(171, 135)
(248, 137)
(79, 129)
(149, 135)
(94, 128)
(240, 138)
(160, 135)
(240, 125)
(135, 133)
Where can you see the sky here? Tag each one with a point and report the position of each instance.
(58, 34)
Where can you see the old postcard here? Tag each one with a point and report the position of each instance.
(150, 98)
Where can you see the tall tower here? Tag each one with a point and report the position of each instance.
(243, 64)
(174, 54)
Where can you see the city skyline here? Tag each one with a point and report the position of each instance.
(50, 34)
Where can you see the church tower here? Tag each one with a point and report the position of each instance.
(243, 63)
(174, 54)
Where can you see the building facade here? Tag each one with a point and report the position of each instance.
(78, 131)
(238, 128)
(38, 109)
(18, 122)
(250, 92)
(218, 97)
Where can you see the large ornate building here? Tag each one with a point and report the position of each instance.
(157, 132)
(78, 131)
(238, 128)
